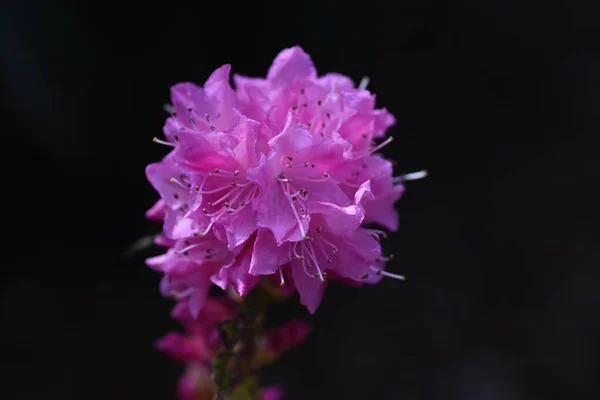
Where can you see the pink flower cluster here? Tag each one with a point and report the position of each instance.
(275, 178)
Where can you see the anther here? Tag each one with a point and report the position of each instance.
(212, 128)
(190, 108)
(236, 172)
(312, 165)
(207, 116)
(328, 115)
(319, 102)
(326, 174)
(290, 158)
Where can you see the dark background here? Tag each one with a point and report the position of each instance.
(499, 100)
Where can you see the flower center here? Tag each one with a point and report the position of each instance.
(291, 183)
(224, 193)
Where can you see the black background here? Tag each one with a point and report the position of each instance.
(498, 100)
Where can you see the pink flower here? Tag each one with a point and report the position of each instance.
(335, 242)
(201, 340)
(287, 336)
(276, 177)
(165, 176)
(188, 267)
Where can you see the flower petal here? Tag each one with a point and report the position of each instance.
(290, 64)
(309, 288)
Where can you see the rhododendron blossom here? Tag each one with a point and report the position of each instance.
(275, 177)
(267, 188)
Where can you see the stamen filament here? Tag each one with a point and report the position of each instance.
(175, 181)
(413, 176)
(163, 142)
(281, 278)
(286, 191)
(364, 82)
(188, 248)
(388, 274)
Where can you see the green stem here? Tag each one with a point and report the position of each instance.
(234, 375)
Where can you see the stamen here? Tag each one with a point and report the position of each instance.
(364, 82)
(188, 248)
(382, 144)
(185, 179)
(325, 253)
(215, 214)
(163, 142)
(282, 178)
(281, 278)
(334, 248)
(311, 254)
(413, 176)
(216, 190)
(388, 274)
(175, 181)
(305, 270)
(295, 251)
(300, 193)
(168, 108)
(368, 152)
(325, 176)
(225, 196)
(205, 231)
